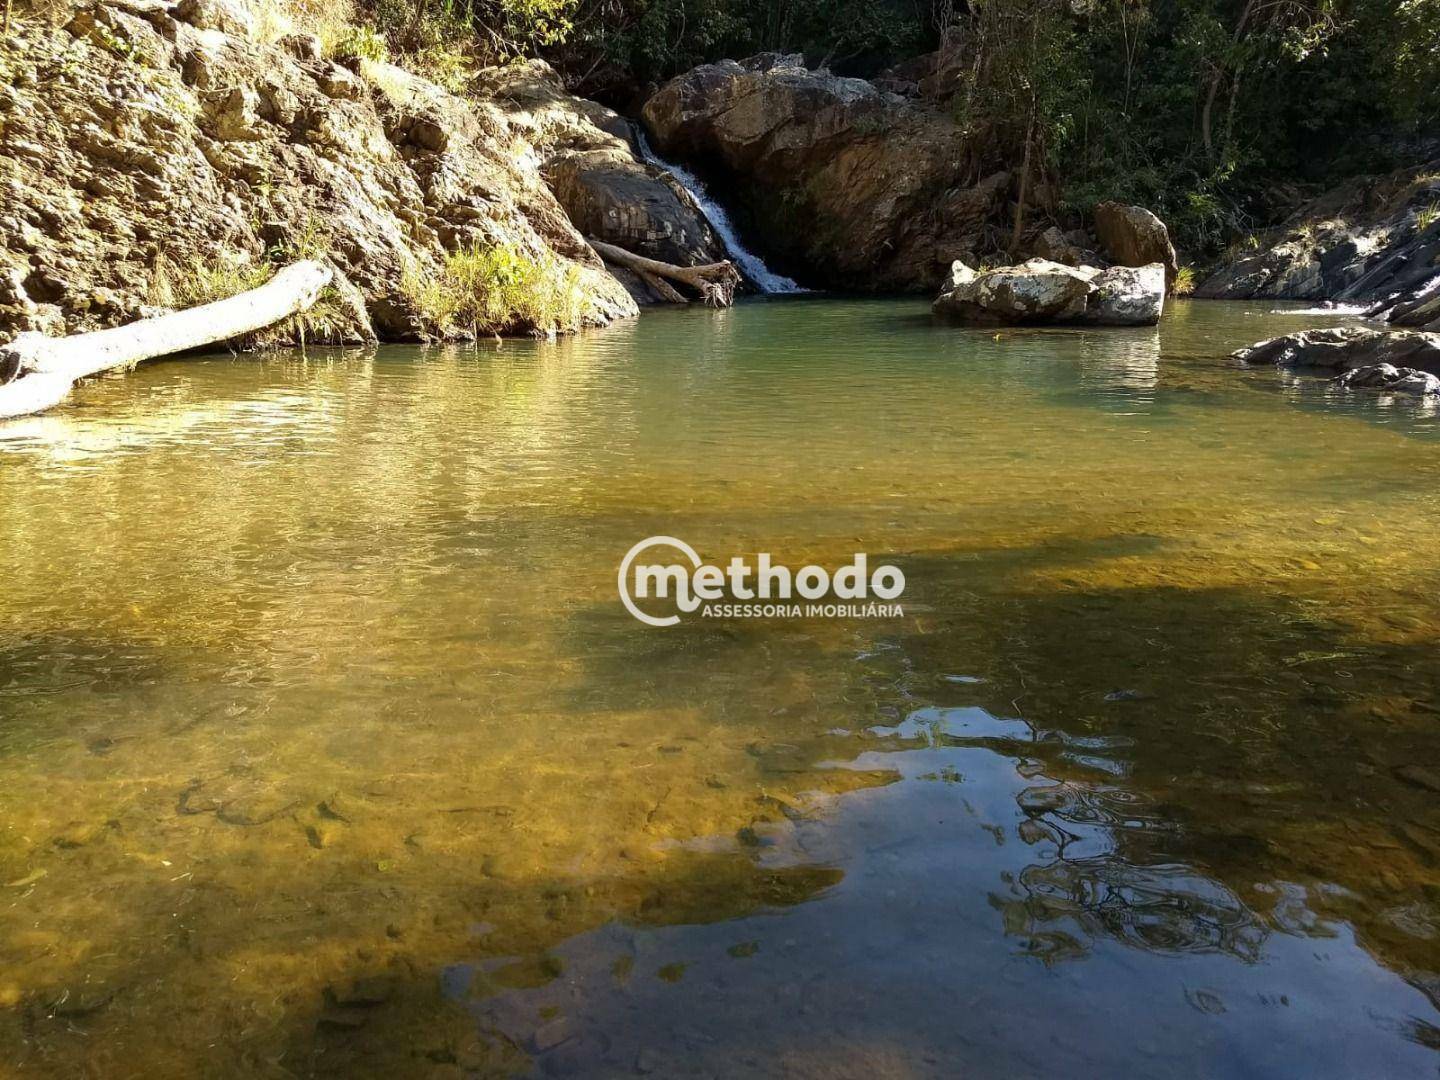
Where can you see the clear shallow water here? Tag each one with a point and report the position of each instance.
(327, 748)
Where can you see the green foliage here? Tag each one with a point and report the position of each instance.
(362, 42)
(448, 34)
(655, 39)
(499, 289)
(1217, 114)
(1415, 68)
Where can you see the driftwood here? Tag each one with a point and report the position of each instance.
(37, 372)
(714, 282)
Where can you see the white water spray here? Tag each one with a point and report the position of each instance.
(751, 265)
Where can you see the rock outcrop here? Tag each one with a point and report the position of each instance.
(1371, 239)
(839, 183)
(1391, 379)
(1133, 236)
(139, 150)
(1040, 291)
(1418, 307)
(592, 165)
(1347, 348)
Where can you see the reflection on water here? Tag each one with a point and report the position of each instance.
(326, 747)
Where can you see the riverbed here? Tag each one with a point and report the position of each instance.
(327, 747)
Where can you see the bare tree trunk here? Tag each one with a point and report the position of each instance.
(38, 371)
(1024, 183)
(1207, 114)
(1207, 111)
(715, 282)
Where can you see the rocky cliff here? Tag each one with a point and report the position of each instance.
(841, 183)
(1369, 239)
(151, 152)
(590, 160)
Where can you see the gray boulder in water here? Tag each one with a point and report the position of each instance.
(1403, 380)
(1041, 291)
(1346, 348)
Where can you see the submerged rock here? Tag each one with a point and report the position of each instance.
(1133, 236)
(1040, 291)
(864, 189)
(1347, 348)
(1389, 377)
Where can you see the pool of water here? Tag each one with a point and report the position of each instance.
(327, 748)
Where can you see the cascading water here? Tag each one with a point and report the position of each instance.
(751, 265)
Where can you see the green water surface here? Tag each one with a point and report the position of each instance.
(326, 747)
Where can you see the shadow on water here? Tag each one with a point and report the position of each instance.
(1181, 826)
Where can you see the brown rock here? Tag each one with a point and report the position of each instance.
(1133, 236)
(223, 146)
(866, 189)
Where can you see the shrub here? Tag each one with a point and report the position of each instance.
(499, 289)
(361, 43)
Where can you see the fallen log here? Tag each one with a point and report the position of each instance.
(715, 282)
(38, 372)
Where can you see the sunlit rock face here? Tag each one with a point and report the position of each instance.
(186, 145)
(1372, 238)
(841, 183)
(590, 161)
(1040, 291)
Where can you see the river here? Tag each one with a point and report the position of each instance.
(327, 748)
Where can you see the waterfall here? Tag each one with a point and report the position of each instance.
(751, 265)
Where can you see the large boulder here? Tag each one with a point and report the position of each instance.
(834, 180)
(1347, 348)
(1133, 236)
(592, 165)
(613, 197)
(1372, 238)
(1041, 291)
(1068, 248)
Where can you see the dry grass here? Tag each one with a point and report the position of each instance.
(174, 286)
(499, 289)
(332, 21)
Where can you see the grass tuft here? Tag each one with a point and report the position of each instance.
(172, 286)
(500, 289)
